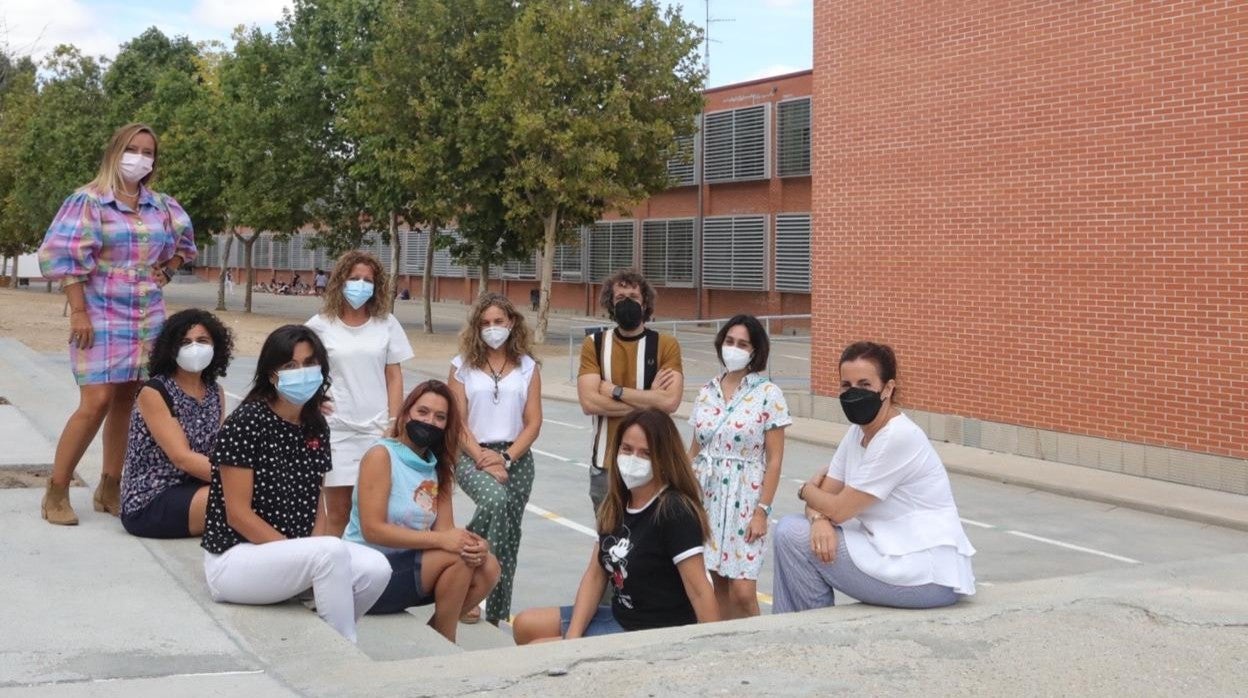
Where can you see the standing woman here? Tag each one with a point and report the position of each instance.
(164, 487)
(267, 466)
(738, 444)
(366, 344)
(113, 246)
(497, 385)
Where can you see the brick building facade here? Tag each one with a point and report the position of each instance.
(1042, 206)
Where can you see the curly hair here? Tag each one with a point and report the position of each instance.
(473, 349)
(336, 304)
(627, 277)
(164, 358)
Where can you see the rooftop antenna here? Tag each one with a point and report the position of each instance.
(701, 154)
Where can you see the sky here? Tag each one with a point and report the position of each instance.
(750, 38)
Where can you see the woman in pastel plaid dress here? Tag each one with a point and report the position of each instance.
(113, 245)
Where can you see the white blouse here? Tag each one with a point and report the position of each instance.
(913, 535)
(492, 421)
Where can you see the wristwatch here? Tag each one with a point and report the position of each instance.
(506, 460)
(617, 393)
(766, 509)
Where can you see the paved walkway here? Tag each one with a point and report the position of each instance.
(91, 611)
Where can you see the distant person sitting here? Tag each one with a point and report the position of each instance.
(164, 485)
(405, 295)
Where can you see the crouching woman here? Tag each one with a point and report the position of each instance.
(402, 507)
(651, 529)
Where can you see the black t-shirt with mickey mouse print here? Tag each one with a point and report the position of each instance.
(640, 558)
(288, 463)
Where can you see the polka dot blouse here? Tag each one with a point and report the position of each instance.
(288, 464)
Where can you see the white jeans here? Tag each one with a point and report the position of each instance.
(346, 578)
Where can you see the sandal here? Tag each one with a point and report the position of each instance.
(472, 617)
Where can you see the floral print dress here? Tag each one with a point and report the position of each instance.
(731, 464)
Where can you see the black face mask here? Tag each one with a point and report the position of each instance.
(861, 405)
(627, 314)
(423, 435)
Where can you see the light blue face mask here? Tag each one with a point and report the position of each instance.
(357, 292)
(298, 385)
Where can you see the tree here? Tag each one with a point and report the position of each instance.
(591, 116)
(269, 172)
(59, 148)
(18, 102)
(132, 81)
(418, 112)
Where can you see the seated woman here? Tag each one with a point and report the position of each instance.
(164, 484)
(267, 466)
(881, 525)
(651, 528)
(402, 507)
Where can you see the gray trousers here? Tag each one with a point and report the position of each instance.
(803, 581)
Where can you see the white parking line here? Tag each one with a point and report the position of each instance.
(799, 358)
(977, 524)
(1069, 546)
(552, 516)
(564, 424)
(551, 455)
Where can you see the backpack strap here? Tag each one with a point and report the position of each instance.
(652, 357)
(159, 386)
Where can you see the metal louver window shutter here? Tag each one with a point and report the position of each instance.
(793, 252)
(610, 248)
(381, 250)
(442, 264)
(262, 253)
(414, 244)
(680, 252)
(569, 259)
(521, 268)
(750, 142)
(734, 253)
(654, 251)
(793, 136)
(717, 161)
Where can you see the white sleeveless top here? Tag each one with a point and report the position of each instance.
(913, 535)
(488, 421)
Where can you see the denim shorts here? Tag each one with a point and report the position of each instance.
(602, 623)
(404, 589)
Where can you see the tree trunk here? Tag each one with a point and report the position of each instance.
(548, 273)
(13, 277)
(249, 273)
(225, 266)
(485, 274)
(426, 280)
(396, 256)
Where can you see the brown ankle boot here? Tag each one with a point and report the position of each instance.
(108, 495)
(56, 508)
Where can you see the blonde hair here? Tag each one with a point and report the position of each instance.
(473, 349)
(108, 178)
(336, 305)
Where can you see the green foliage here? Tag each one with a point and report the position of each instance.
(18, 97)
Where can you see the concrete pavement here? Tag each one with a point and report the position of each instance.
(91, 611)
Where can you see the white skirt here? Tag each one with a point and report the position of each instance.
(346, 449)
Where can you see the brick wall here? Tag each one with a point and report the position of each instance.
(1041, 206)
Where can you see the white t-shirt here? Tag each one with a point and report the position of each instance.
(358, 357)
(490, 422)
(913, 535)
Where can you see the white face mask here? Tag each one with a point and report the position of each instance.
(635, 471)
(194, 357)
(135, 167)
(495, 335)
(735, 358)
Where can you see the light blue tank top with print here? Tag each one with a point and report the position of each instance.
(413, 494)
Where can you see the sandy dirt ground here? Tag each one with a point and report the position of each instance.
(35, 318)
